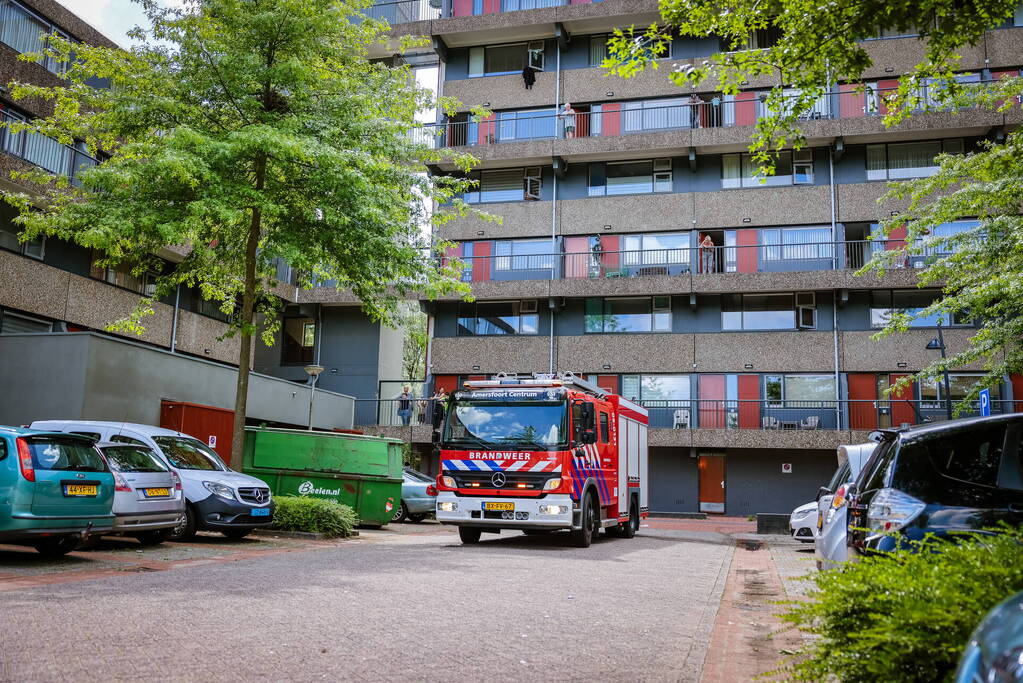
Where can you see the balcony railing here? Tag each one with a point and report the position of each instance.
(683, 261)
(754, 414)
(42, 151)
(404, 11)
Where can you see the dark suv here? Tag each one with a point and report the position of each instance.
(961, 475)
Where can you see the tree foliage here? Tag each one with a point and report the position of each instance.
(413, 358)
(821, 44)
(251, 132)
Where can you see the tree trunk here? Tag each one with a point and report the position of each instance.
(241, 398)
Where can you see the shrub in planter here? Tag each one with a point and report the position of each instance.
(315, 515)
(904, 616)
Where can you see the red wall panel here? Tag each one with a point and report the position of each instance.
(712, 402)
(481, 252)
(749, 406)
(850, 103)
(746, 109)
(611, 119)
(862, 387)
(746, 252)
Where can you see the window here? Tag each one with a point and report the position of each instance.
(972, 456)
(739, 170)
(932, 391)
(656, 387)
(655, 249)
(630, 177)
(1017, 15)
(633, 314)
(9, 235)
(524, 254)
(675, 112)
(513, 185)
(764, 311)
(908, 159)
(299, 341)
(122, 276)
(211, 308)
(521, 125)
(933, 91)
(121, 438)
(24, 31)
(133, 459)
(494, 60)
(799, 391)
(15, 323)
(937, 246)
(605, 432)
(599, 50)
(883, 303)
(498, 318)
(797, 244)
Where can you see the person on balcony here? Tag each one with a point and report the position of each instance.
(707, 254)
(405, 405)
(695, 109)
(568, 117)
(596, 252)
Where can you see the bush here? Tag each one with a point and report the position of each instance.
(315, 515)
(905, 616)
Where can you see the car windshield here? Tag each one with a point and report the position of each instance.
(188, 454)
(524, 425)
(49, 453)
(133, 459)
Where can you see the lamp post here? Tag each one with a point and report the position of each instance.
(938, 343)
(313, 371)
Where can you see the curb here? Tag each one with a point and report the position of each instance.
(303, 535)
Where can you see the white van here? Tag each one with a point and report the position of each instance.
(218, 498)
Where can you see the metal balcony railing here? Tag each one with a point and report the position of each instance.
(404, 11)
(682, 261)
(753, 414)
(42, 151)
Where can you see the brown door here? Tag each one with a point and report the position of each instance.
(712, 483)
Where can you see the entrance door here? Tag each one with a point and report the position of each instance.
(863, 403)
(712, 402)
(712, 483)
(902, 403)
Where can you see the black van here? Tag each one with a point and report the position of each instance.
(960, 475)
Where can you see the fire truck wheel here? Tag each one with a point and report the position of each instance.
(628, 530)
(582, 537)
(468, 534)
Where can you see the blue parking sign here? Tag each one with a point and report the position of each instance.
(985, 401)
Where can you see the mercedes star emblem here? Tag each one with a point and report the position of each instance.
(498, 480)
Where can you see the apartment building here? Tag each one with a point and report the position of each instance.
(57, 360)
(637, 246)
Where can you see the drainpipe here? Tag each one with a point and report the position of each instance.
(834, 301)
(554, 199)
(174, 320)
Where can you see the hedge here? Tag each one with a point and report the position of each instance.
(905, 615)
(315, 515)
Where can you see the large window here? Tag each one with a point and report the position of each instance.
(299, 341)
(498, 318)
(629, 314)
(496, 60)
(524, 255)
(9, 235)
(512, 185)
(645, 115)
(791, 168)
(630, 177)
(883, 303)
(908, 159)
(24, 31)
(932, 391)
(599, 48)
(656, 387)
(17, 323)
(522, 125)
(799, 391)
(122, 276)
(768, 311)
(655, 249)
(797, 244)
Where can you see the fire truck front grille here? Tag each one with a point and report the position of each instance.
(515, 481)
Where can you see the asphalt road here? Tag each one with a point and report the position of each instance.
(407, 604)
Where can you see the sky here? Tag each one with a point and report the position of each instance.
(113, 18)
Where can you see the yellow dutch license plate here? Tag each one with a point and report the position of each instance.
(80, 490)
(499, 506)
(155, 493)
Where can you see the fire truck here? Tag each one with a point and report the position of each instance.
(541, 453)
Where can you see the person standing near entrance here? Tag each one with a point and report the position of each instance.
(707, 254)
(405, 405)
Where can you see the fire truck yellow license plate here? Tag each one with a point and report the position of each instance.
(499, 506)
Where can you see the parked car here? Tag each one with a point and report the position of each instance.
(148, 499)
(961, 475)
(803, 522)
(418, 496)
(995, 651)
(829, 546)
(216, 497)
(55, 489)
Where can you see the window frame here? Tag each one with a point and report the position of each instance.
(943, 143)
(520, 315)
(660, 317)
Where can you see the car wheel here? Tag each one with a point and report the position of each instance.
(583, 536)
(55, 547)
(400, 513)
(236, 534)
(469, 535)
(153, 537)
(417, 518)
(629, 529)
(186, 528)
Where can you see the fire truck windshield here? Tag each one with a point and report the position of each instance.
(526, 425)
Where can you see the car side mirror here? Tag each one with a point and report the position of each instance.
(588, 436)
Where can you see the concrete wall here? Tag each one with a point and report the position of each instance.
(674, 481)
(754, 481)
(93, 377)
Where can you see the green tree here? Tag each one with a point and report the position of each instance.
(820, 44)
(413, 359)
(249, 131)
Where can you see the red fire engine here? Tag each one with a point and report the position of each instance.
(540, 454)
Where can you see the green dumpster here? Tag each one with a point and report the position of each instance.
(364, 472)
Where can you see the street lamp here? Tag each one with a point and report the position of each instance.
(938, 344)
(313, 371)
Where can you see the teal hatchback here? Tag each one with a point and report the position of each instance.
(55, 489)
